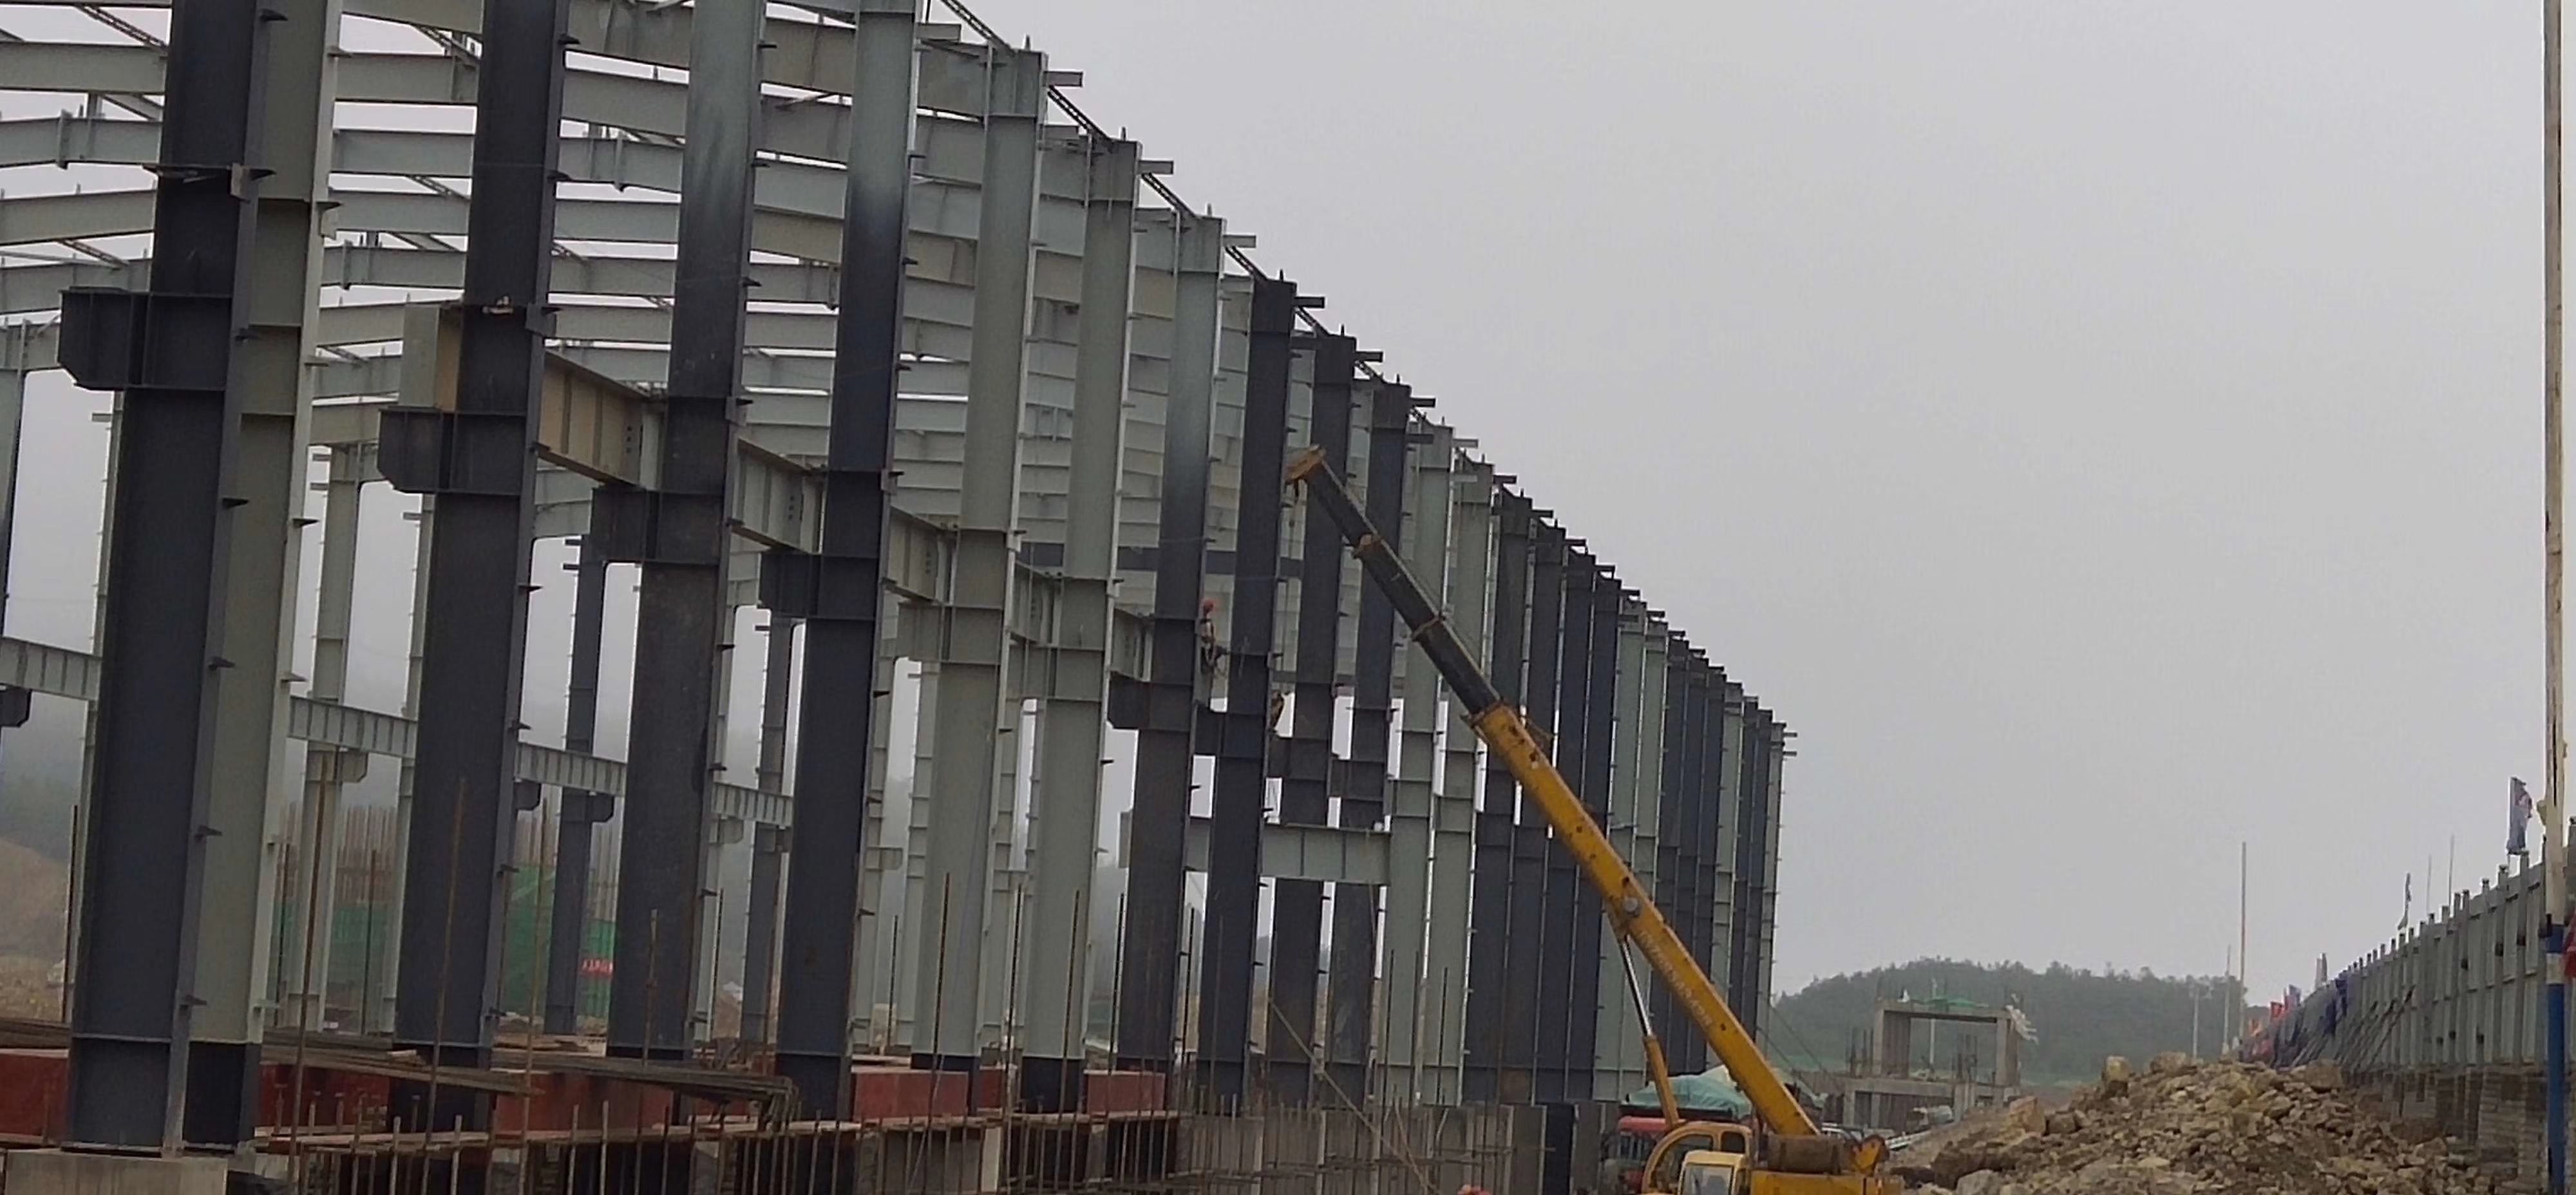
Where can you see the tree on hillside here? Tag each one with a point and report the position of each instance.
(2080, 1015)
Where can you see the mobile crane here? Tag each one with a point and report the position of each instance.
(1785, 1153)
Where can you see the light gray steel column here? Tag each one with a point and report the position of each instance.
(874, 953)
(1776, 755)
(920, 920)
(1410, 857)
(1072, 723)
(760, 935)
(386, 966)
(779, 637)
(1453, 819)
(247, 750)
(1630, 795)
(1005, 874)
(974, 639)
(1728, 764)
(1648, 835)
(308, 958)
(13, 419)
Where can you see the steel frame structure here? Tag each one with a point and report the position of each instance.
(748, 383)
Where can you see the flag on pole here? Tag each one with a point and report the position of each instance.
(2520, 799)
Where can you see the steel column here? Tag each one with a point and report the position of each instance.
(760, 935)
(1354, 971)
(1072, 724)
(1457, 827)
(1412, 1024)
(777, 677)
(1600, 708)
(1305, 791)
(386, 967)
(837, 591)
(1530, 946)
(1235, 817)
(971, 709)
(1666, 884)
(270, 468)
(1617, 1024)
(478, 458)
(1566, 888)
(309, 957)
(1490, 1032)
(1774, 747)
(173, 353)
(1149, 953)
(1731, 762)
(678, 533)
(578, 813)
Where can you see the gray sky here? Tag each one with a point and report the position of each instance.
(2107, 431)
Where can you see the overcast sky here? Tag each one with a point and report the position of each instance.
(2105, 431)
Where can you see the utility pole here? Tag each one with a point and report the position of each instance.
(2553, 825)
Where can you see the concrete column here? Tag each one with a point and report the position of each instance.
(1455, 824)
(1072, 722)
(308, 960)
(1415, 1025)
(970, 709)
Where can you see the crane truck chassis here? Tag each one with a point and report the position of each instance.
(1783, 1152)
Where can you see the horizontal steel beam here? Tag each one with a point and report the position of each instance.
(1325, 854)
(62, 672)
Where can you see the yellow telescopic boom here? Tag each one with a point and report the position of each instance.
(1632, 913)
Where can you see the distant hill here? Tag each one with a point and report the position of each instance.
(2080, 1015)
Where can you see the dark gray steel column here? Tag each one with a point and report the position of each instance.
(1489, 913)
(1150, 952)
(776, 692)
(1071, 728)
(1528, 953)
(581, 812)
(1690, 901)
(1601, 709)
(1775, 751)
(678, 532)
(1305, 793)
(1565, 884)
(1676, 712)
(1355, 955)
(171, 351)
(760, 935)
(479, 461)
(836, 592)
(1745, 749)
(1242, 780)
(1467, 493)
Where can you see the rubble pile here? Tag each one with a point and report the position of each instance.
(2185, 1128)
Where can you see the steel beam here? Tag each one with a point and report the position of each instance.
(1305, 791)
(1493, 1045)
(836, 590)
(1414, 1024)
(1149, 953)
(171, 353)
(676, 531)
(1072, 722)
(1354, 972)
(1242, 752)
(1457, 826)
(479, 461)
